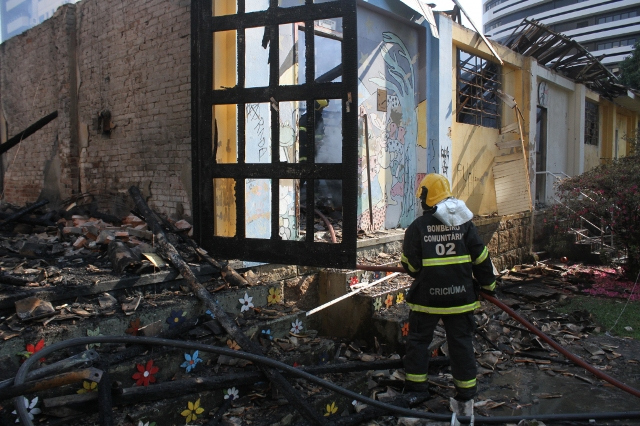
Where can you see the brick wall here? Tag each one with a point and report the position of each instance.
(35, 81)
(508, 238)
(129, 58)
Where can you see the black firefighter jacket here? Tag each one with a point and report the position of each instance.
(444, 260)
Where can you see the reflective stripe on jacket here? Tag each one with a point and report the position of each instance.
(444, 260)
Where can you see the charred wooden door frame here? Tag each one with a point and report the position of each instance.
(204, 167)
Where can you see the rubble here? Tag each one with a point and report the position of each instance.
(63, 281)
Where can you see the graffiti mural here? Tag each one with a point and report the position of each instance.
(391, 137)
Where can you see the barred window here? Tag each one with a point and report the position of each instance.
(591, 123)
(477, 83)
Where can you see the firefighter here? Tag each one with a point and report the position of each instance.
(443, 251)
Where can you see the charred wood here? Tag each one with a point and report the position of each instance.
(12, 280)
(227, 323)
(15, 140)
(215, 420)
(121, 256)
(84, 359)
(92, 374)
(105, 400)
(23, 211)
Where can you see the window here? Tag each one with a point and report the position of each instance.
(617, 17)
(591, 123)
(478, 80)
(616, 43)
(493, 4)
(488, 28)
(582, 24)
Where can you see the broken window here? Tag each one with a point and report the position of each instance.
(478, 81)
(272, 142)
(591, 123)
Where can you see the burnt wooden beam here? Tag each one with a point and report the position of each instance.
(228, 274)
(92, 374)
(24, 211)
(34, 221)
(15, 140)
(227, 323)
(13, 280)
(84, 359)
(105, 399)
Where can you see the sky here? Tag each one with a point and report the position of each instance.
(472, 7)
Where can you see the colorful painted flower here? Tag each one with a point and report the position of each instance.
(324, 358)
(211, 314)
(331, 409)
(231, 393)
(193, 410)
(134, 326)
(246, 302)
(354, 280)
(295, 364)
(145, 375)
(377, 304)
(400, 298)
(93, 333)
(88, 387)
(32, 349)
(274, 296)
(190, 361)
(267, 334)
(405, 329)
(176, 318)
(389, 300)
(31, 408)
(232, 344)
(377, 275)
(389, 273)
(296, 327)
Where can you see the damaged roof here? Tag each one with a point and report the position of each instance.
(566, 56)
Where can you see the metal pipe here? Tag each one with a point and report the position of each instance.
(381, 268)
(24, 368)
(366, 139)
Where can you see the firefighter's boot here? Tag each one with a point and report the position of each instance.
(460, 409)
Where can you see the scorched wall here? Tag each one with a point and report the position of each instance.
(127, 59)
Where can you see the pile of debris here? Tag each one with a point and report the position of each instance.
(84, 275)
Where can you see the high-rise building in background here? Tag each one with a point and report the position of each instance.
(17, 16)
(608, 29)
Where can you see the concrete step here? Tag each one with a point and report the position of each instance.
(352, 317)
(155, 313)
(391, 326)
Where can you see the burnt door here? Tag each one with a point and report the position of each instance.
(274, 129)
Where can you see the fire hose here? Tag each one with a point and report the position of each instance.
(574, 358)
(24, 370)
(154, 341)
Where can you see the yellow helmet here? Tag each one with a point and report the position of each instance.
(437, 187)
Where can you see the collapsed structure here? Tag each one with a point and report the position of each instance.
(252, 121)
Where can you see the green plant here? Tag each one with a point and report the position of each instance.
(606, 312)
(606, 197)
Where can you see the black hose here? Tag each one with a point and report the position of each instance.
(46, 351)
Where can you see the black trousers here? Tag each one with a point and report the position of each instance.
(459, 329)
